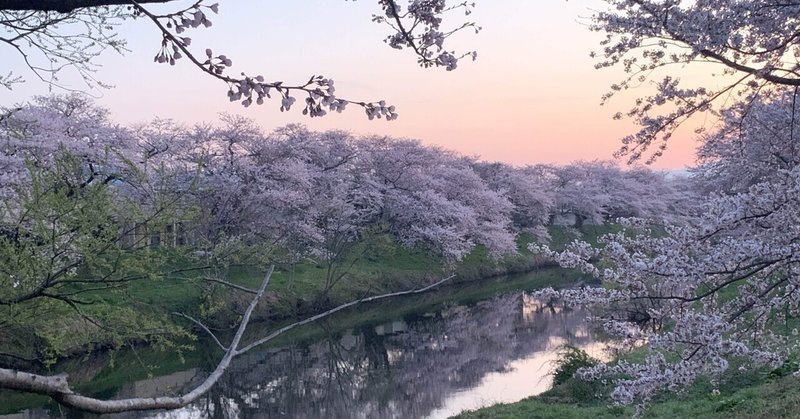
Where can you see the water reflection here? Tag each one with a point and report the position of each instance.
(432, 365)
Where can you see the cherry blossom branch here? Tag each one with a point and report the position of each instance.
(428, 46)
(320, 91)
(38, 36)
(645, 35)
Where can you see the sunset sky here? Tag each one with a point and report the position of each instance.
(532, 96)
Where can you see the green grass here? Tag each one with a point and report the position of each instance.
(778, 398)
(560, 236)
(381, 265)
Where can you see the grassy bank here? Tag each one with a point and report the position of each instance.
(777, 397)
(374, 267)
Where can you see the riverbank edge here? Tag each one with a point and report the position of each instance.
(284, 307)
(476, 266)
(475, 269)
(759, 398)
(463, 292)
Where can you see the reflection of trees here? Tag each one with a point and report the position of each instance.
(400, 369)
(376, 373)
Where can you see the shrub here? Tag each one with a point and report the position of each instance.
(570, 360)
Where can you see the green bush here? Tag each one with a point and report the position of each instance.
(789, 366)
(570, 360)
(569, 389)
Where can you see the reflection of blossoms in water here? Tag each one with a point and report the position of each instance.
(406, 368)
(398, 369)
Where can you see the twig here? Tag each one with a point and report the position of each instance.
(202, 326)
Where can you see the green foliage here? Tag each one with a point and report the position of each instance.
(789, 366)
(729, 404)
(567, 387)
(65, 274)
(560, 236)
(570, 360)
(773, 399)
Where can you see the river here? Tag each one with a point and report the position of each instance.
(433, 361)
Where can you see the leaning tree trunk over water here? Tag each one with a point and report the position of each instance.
(57, 386)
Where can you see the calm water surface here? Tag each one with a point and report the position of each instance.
(430, 364)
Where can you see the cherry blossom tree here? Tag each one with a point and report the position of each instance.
(599, 191)
(753, 44)
(37, 132)
(435, 199)
(314, 193)
(580, 190)
(529, 190)
(719, 287)
(341, 202)
(755, 143)
(744, 243)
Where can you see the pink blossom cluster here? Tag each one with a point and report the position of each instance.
(718, 284)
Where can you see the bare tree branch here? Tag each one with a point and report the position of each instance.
(57, 387)
(230, 284)
(204, 327)
(334, 310)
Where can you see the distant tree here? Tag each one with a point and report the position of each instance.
(343, 200)
(580, 189)
(435, 199)
(36, 133)
(600, 191)
(529, 190)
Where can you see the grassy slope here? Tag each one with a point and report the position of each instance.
(778, 398)
(391, 268)
(382, 266)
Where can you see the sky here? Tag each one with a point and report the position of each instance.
(532, 96)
